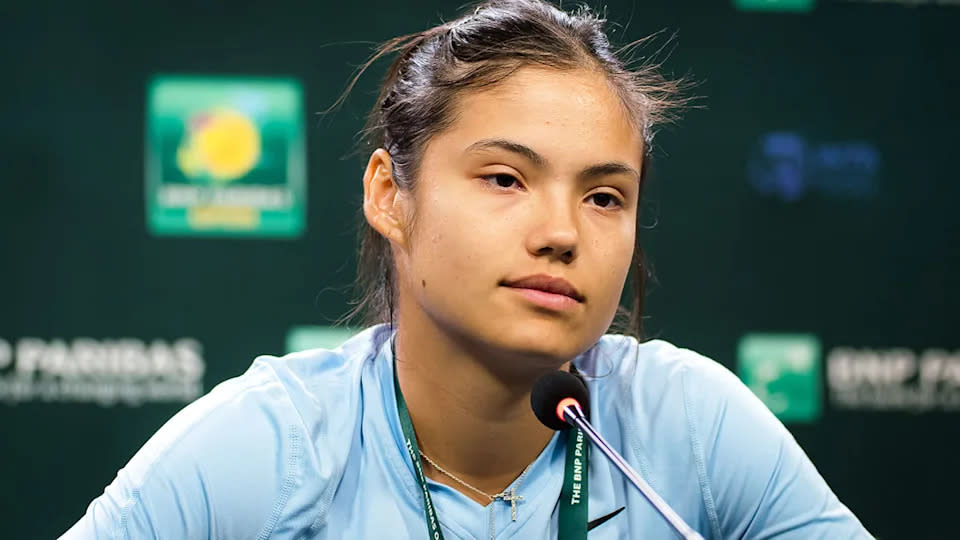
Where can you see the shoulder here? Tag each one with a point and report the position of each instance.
(662, 396)
(277, 402)
(657, 368)
(751, 475)
(318, 385)
(672, 387)
(707, 394)
(242, 456)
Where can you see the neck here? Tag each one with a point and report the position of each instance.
(470, 418)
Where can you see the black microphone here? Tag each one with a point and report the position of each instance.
(558, 401)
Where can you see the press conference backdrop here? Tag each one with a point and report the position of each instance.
(173, 206)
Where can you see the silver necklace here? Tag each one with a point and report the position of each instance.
(507, 495)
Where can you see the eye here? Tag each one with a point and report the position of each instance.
(606, 200)
(502, 180)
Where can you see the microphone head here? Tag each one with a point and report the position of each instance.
(552, 388)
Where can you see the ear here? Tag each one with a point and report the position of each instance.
(382, 198)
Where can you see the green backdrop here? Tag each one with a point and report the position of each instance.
(814, 195)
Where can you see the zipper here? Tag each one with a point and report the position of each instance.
(492, 530)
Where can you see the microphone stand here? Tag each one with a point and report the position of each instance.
(573, 415)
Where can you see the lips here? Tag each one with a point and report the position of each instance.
(546, 283)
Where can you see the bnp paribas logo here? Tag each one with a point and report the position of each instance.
(783, 370)
(775, 5)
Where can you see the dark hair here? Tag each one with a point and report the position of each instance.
(480, 49)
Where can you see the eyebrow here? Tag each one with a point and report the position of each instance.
(593, 171)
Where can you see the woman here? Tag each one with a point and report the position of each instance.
(501, 208)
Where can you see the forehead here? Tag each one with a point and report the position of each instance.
(572, 115)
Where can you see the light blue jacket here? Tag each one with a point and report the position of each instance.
(309, 446)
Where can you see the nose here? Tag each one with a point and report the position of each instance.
(556, 232)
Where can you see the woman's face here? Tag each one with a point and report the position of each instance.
(524, 215)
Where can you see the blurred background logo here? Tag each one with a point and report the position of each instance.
(121, 371)
(222, 144)
(302, 338)
(783, 370)
(225, 156)
(787, 166)
(799, 6)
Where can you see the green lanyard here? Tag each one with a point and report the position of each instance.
(572, 520)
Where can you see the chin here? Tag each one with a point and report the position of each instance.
(549, 341)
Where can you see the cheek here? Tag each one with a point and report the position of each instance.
(450, 241)
(614, 253)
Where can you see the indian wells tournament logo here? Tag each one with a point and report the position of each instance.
(225, 156)
(783, 370)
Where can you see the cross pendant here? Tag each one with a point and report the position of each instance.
(512, 498)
